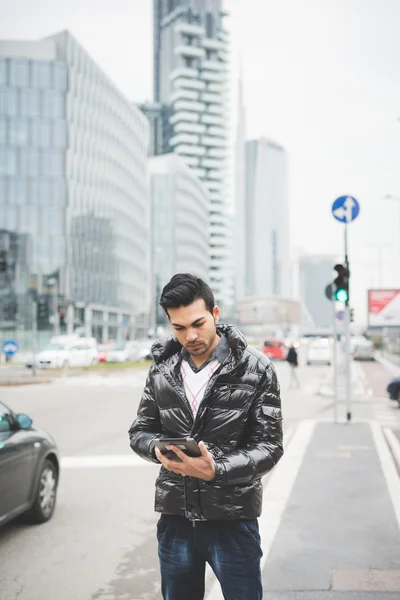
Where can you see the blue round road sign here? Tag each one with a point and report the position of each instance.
(345, 209)
(9, 347)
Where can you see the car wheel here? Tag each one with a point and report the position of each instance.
(46, 493)
(308, 363)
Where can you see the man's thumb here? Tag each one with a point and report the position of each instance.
(203, 449)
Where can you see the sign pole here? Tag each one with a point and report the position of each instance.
(334, 361)
(347, 334)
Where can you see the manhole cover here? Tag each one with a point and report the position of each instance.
(371, 580)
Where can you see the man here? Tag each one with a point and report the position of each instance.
(293, 363)
(207, 383)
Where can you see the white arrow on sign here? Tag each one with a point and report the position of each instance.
(346, 211)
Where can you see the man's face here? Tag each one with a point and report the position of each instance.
(194, 326)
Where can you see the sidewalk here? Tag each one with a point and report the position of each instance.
(339, 535)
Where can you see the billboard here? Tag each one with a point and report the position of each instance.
(384, 308)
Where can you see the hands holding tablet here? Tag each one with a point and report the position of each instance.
(202, 467)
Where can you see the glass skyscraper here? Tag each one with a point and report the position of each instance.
(74, 203)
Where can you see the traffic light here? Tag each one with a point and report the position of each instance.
(3, 261)
(341, 284)
(62, 318)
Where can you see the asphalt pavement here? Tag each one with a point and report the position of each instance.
(329, 519)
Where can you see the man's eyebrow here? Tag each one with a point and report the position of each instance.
(194, 322)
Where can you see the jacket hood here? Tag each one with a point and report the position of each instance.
(167, 347)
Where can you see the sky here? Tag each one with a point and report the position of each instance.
(321, 77)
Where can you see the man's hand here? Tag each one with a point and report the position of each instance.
(202, 467)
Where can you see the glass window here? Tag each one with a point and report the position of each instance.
(2, 190)
(19, 72)
(45, 192)
(59, 193)
(54, 221)
(10, 217)
(3, 130)
(41, 133)
(6, 420)
(28, 219)
(29, 162)
(53, 104)
(3, 71)
(53, 164)
(60, 75)
(17, 191)
(59, 133)
(18, 131)
(8, 102)
(30, 103)
(8, 161)
(41, 74)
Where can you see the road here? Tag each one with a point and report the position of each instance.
(100, 544)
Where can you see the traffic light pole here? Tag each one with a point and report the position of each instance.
(347, 333)
(334, 362)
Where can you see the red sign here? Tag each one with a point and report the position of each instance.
(384, 308)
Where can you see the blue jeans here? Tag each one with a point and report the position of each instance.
(232, 548)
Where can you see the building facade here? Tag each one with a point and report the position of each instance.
(73, 186)
(266, 223)
(179, 223)
(315, 273)
(191, 77)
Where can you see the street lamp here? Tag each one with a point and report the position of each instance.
(53, 283)
(379, 247)
(397, 198)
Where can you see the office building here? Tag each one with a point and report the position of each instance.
(179, 223)
(266, 224)
(191, 77)
(315, 273)
(73, 186)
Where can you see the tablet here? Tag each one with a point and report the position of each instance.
(187, 445)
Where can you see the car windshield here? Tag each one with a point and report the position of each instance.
(53, 347)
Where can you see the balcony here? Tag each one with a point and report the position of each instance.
(183, 94)
(189, 51)
(190, 84)
(216, 110)
(213, 65)
(218, 153)
(189, 106)
(218, 131)
(189, 29)
(210, 163)
(191, 161)
(183, 72)
(213, 44)
(219, 77)
(212, 120)
(210, 97)
(184, 127)
(185, 149)
(182, 115)
(216, 174)
(183, 138)
(214, 186)
(217, 88)
(213, 142)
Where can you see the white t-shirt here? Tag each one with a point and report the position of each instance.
(196, 383)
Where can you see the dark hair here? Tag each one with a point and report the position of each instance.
(184, 289)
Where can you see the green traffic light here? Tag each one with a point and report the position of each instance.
(341, 295)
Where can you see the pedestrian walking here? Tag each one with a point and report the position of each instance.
(208, 384)
(293, 361)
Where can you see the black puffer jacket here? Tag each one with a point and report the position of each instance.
(239, 420)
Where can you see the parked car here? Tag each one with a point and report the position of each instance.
(29, 469)
(393, 390)
(319, 351)
(129, 351)
(275, 349)
(361, 348)
(81, 354)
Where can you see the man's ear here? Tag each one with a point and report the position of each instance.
(216, 313)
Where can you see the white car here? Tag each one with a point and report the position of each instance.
(361, 348)
(319, 351)
(57, 356)
(130, 351)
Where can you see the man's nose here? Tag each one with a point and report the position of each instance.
(191, 336)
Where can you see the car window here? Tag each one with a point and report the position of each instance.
(5, 419)
(268, 344)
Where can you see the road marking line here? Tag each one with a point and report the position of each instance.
(393, 443)
(277, 492)
(112, 460)
(388, 468)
